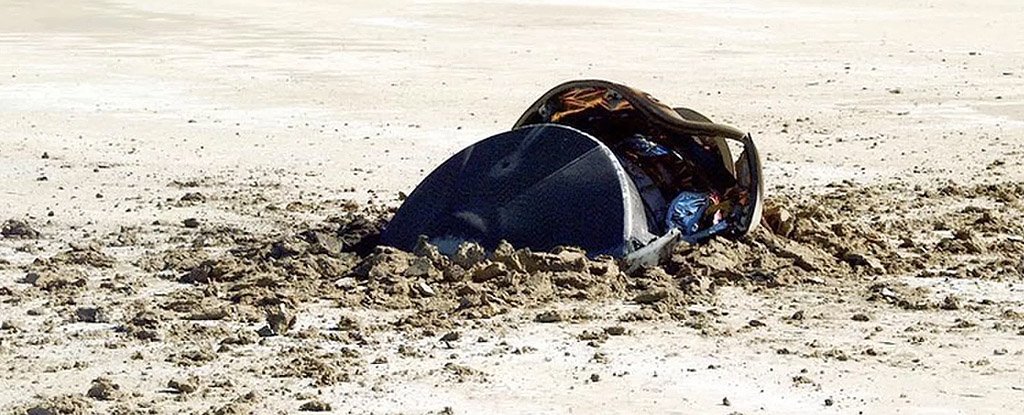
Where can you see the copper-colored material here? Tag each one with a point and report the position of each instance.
(700, 158)
(605, 114)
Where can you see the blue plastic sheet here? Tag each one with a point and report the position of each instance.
(686, 212)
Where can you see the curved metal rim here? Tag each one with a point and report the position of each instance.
(659, 113)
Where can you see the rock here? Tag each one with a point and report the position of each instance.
(860, 317)
(455, 273)
(651, 296)
(469, 254)
(451, 336)
(756, 323)
(506, 254)
(482, 273)
(504, 251)
(615, 330)
(104, 389)
(594, 377)
(18, 229)
(424, 249)
(315, 405)
(191, 223)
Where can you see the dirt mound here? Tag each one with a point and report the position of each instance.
(848, 233)
(953, 231)
(473, 286)
(230, 291)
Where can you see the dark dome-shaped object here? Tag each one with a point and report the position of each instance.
(538, 186)
(591, 164)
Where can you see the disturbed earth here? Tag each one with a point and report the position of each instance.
(193, 190)
(309, 305)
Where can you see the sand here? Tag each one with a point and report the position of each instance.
(259, 120)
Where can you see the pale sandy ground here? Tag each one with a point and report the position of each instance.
(304, 99)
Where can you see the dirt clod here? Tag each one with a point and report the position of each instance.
(552, 316)
(651, 296)
(315, 405)
(185, 386)
(18, 229)
(279, 319)
(91, 315)
(48, 280)
(104, 389)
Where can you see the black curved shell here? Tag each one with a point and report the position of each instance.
(538, 187)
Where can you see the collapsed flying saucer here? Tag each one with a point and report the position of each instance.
(591, 164)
